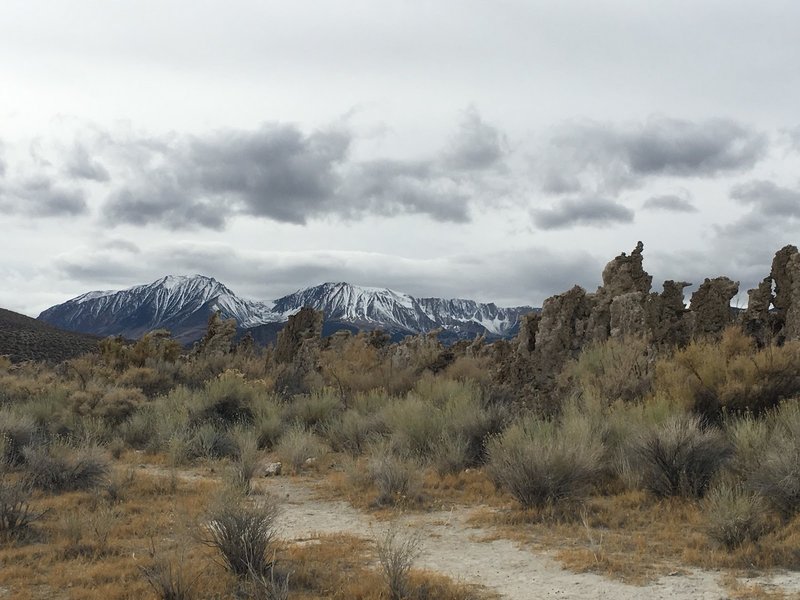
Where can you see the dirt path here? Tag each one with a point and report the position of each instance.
(452, 547)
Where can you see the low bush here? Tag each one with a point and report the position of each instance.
(16, 512)
(396, 555)
(734, 515)
(776, 474)
(678, 457)
(297, 445)
(398, 481)
(58, 468)
(243, 535)
(540, 464)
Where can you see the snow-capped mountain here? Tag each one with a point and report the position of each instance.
(385, 308)
(183, 305)
(178, 303)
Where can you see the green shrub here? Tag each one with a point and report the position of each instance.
(678, 457)
(540, 464)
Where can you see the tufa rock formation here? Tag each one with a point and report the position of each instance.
(622, 306)
(711, 305)
(781, 292)
(218, 338)
(302, 330)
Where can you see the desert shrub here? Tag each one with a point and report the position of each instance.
(451, 453)
(58, 468)
(245, 463)
(732, 375)
(297, 445)
(734, 515)
(750, 437)
(616, 369)
(17, 432)
(397, 480)
(268, 421)
(243, 534)
(151, 381)
(141, 429)
(226, 399)
(396, 555)
(776, 473)
(678, 457)
(470, 369)
(416, 426)
(540, 463)
(352, 430)
(113, 405)
(210, 441)
(16, 512)
(315, 410)
(168, 578)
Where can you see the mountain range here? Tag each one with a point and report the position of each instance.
(183, 304)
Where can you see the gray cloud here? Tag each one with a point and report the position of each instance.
(512, 277)
(280, 173)
(597, 212)
(391, 187)
(40, 196)
(768, 199)
(80, 165)
(477, 145)
(605, 157)
(671, 203)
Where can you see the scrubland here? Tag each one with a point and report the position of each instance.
(637, 464)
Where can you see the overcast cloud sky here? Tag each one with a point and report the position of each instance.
(501, 151)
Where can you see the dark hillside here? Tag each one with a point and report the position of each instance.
(23, 338)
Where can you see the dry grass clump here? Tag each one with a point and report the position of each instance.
(542, 463)
(678, 457)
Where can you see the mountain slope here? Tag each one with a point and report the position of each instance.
(183, 305)
(178, 303)
(23, 338)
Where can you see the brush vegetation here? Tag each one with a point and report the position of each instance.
(706, 434)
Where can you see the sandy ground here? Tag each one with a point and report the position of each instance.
(449, 545)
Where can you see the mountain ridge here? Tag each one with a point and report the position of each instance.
(183, 303)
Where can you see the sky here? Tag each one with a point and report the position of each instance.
(501, 151)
